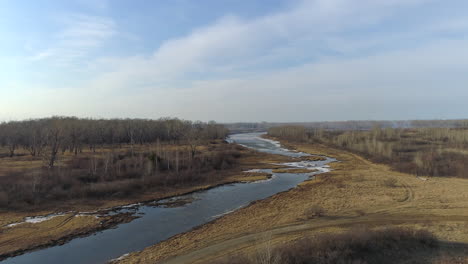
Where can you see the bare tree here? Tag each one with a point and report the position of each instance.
(54, 141)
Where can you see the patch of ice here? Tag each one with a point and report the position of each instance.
(119, 258)
(300, 164)
(252, 170)
(37, 219)
(129, 205)
(79, 215)
(323, 169)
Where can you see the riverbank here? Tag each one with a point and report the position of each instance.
(356, 192)
(19, 238)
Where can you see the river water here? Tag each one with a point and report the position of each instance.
(158, 223)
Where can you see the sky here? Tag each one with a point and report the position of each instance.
(230, 60)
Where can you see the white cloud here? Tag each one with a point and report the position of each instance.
(232, 45)
(408, 84)
(81, 35)
(236, 69)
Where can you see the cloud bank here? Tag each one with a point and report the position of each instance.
(317, 60)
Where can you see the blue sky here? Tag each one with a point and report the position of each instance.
(228, 60)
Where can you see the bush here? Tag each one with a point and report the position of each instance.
(390, 182)
(314, 212)
(3, 199)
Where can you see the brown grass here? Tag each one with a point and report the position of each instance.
(358, 245)
(412, 204)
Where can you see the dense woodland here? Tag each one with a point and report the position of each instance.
(423, 151)
(64, 158)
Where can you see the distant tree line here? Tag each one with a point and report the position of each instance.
(49, 137)
(353, 124)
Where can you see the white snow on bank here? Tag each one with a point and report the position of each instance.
(252, 170)
(119, 258)
(128, 206)
(37, 219)
(42, 218)
(80, 215)
(323, 169)
(300, 164)
(310, 165)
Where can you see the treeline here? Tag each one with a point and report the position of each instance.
(50, 136)
(369, 124)
(420, 151)
(354, 124)
(100, 159)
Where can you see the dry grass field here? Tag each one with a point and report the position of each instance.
(356, 193)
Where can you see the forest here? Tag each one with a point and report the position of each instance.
(422, 151)
(65, 158)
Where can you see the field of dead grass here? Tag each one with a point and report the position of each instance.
(357, 192)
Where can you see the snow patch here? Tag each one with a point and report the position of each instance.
(37, 219)
(119, 258)
(252, 170)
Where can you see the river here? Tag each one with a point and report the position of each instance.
(158, 223)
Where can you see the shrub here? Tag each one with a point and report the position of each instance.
(3, 199)
(390, 182)
(360, 212)
(314, 212)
